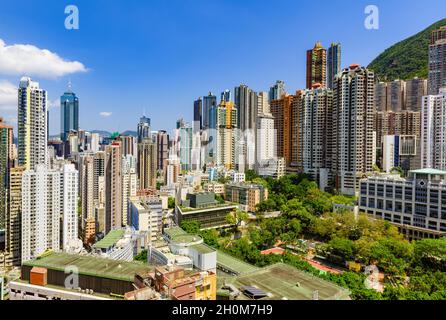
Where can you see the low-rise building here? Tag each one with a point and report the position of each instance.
(204, 209)
(146, 214)
(417, 205)
(274, 168)
(175, 283)
(94, 276)
(217, 188)
(121, 244)
(400, 151)
(183, 244)
(238, 177)
(248, 196)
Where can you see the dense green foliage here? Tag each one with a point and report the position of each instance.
(192, 227)
(171, 203)
(142, 256)
(413, 270)
(406, 59)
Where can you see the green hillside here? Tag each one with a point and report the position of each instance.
(406, 59)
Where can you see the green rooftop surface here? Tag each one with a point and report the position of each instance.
(234, 265)
(284, 282)
(202, 248)
(178, 235)
(91, 266)
(110, 239)
(174, 231)
(226, 205)
(428, 171)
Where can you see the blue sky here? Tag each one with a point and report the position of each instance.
(159, 56)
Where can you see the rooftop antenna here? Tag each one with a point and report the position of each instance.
(69, 86)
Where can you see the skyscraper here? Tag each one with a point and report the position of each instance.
(183, 142)
(69, 114)
(13, 237)
(129, 185)
(198, 115)
(209, 138)
(162, 147)
(400, 95)
(266, 138)
(416, 88)
(277, 91)
(315, 110)
(86, 189)
(433, 131)
(354, 138)
(143, 129)
(113, 187)
(32, 124)
(263, 103)
(49, 209)
(5, 165)
(246, 101)
(226, 135)
(147, 164)
(437, 61)
(129, 145)
(333, 63)
(209, 105)
(281, 110)
(316, 66)
(99, 174)
(226, 96)
(172, 170)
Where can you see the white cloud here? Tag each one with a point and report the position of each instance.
(53, 103)
(26, 59)
(8, 102)
(8, 96)
(105, 114)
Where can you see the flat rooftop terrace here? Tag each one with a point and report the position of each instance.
(92, 266)
(284, 282)
(110, 239)
(234, 265)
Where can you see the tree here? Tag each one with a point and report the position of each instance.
(267, 205)
(431, 254)
(219, 198)
(236, 218)
(192, 227)
(250, 175)
(317, 202)
(210, 237)
(224, 180)
(294, 209)
(171, 203)
(142, 256)
(397, 170)
(344, 248)
(392, 256)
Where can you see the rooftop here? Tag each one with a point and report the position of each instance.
(216, 206)
(203, 248)
(234, 265)
(92, 266)
(282, 281)
(174, 231)
(429, 171)
(178, 235)
(110, 239)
